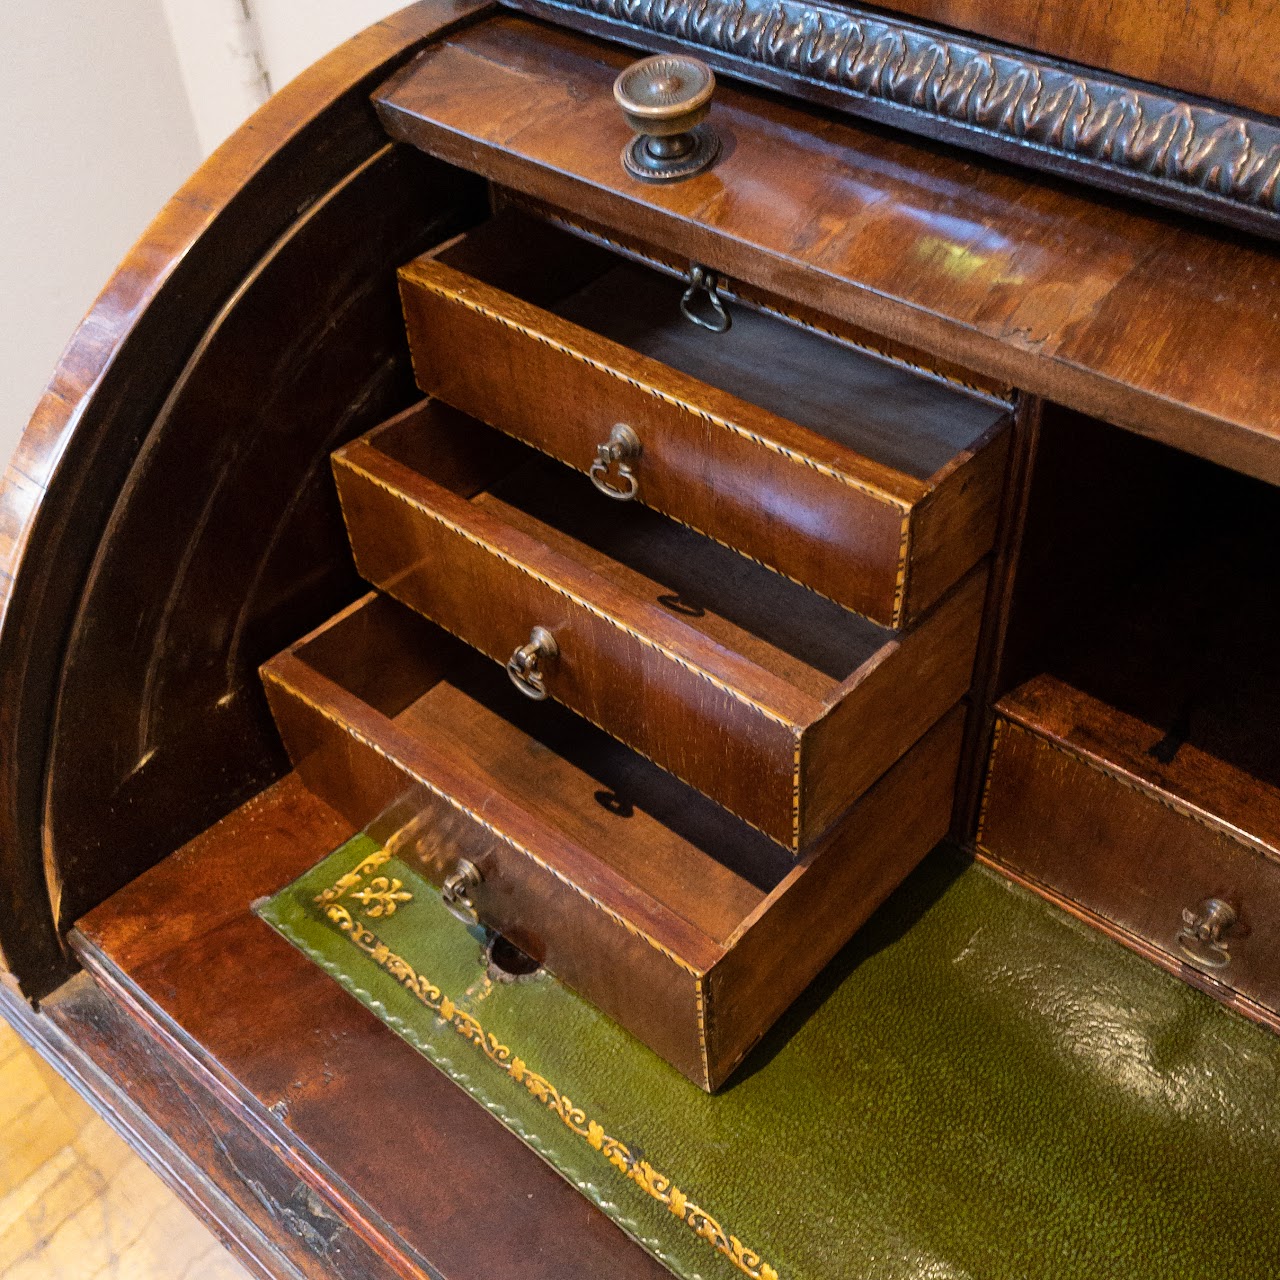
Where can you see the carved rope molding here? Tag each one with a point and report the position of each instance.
(1079, 117)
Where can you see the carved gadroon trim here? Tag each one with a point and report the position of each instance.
(1152, 141)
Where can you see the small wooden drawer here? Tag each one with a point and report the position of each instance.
(772, 700)
(1079, 806)
(669, 914)
(859, 477)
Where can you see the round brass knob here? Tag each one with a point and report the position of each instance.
(665, 99)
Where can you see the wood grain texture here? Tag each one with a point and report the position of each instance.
(771, 438)
(660, 258)
(626, 885)
(1216, 790)
(810, 916)
(243, 1031)
(890, 703)
(1151, 322)
(143, 337)
(1128, 851)
(726, 687)
(1111, 132)
(1212, 48)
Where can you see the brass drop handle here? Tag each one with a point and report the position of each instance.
(525, 666)
(703, 281)
(665, 99)
(457, 888)
(1201, 935)
(621, 450)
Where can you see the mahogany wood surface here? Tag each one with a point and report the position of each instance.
(1218, 790)
(1150, 321)
(634, 248)
(421, 1180)
(1214, 48)
(1127, 851)
(993, 639)
(819, 906)
(104, 409)
(725, 673)
(771, 437)
(628, 886)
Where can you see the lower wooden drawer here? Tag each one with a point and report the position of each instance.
(1069, 814)
(678, 920)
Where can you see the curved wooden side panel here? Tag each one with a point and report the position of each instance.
(160, 523)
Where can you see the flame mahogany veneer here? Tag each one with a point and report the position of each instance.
(170, 522)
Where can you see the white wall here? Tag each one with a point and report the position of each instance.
(105, 107)
(234, 52)
(295, 33)
(95, 134)
(220, 58)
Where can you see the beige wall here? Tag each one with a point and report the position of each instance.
(95, 133)
(105, 108)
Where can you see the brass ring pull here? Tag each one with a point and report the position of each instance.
(703, 281)
(525, 665)
(1200, 939)
(621, 450)
(457, 888)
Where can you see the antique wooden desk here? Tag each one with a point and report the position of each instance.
(1032, 245)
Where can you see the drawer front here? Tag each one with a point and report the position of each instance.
(882, 543)
(484, 584)
(555, 913)
(655, 924)
(1130, 857)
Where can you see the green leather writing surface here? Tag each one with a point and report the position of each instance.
(979, 1086)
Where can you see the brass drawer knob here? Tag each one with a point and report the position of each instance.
(525, 666)
(456, 891)
(1201, 936)
(665, 100)
(621, 450)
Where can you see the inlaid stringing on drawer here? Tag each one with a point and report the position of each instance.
(773, 701)
(864, 480)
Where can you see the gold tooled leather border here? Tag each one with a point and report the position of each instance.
(636, 1169)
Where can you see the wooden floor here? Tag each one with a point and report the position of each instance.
(75, 1202)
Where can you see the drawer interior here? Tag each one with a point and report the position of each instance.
(899, 417)
(419, 694)
(794, 633)
(1146, 629)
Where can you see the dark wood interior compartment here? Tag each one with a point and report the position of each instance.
(774, 701)
(862, 478)
(635, 248)
(1148, 606)
(879, 409)
(1136, 766)
(658, 906)
(686, 852)
(1071, 810)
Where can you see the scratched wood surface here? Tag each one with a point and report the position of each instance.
(75, 1202)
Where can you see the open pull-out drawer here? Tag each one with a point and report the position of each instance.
(861, 478)
(772, 700)
(675, 918)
